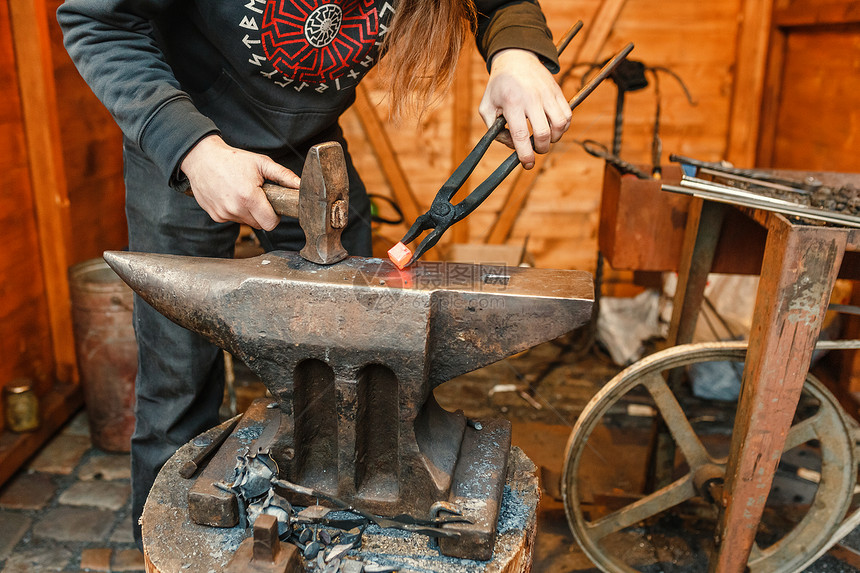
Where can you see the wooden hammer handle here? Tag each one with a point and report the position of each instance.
(284, 201)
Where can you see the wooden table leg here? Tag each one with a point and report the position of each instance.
(799, 268)
(704, 221)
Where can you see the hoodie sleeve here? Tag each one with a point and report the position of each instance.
(112, 43)
(506, 24)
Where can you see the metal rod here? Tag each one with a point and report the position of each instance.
(705, 185)
(809, 183)
(602, 75)
(732, 196)
(619, 122)
(753, 181)
(565, 40)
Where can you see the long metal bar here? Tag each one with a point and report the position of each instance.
(725, 194)
(754, 181)
(808, 184)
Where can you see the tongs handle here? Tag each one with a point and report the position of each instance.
(438, 217)
(459, 176)
(483, 190)
(442, 214)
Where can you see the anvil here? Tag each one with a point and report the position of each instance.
(351, 353)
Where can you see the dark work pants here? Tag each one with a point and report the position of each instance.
(180, 378)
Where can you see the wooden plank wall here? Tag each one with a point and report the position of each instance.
(25, 332)
(698, 40)
(92, 148)
(61, 178)
(695, 39)
(812, 107)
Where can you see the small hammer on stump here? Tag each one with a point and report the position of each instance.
(321, 204)
(264, 552)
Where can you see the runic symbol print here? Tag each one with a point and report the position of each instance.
(318, 40)
(323, 25)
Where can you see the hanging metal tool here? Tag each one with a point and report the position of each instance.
(629, 76)
(597, 149)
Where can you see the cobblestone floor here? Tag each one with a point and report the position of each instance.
(69, 509)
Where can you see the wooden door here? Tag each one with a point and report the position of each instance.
(811, 106)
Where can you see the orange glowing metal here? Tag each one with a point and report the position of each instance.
(400, 255)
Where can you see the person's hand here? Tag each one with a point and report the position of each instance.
(227, 182)
(522, 89)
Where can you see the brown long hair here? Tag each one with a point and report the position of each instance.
(422, 49)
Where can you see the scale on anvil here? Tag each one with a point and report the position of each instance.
(351, 353)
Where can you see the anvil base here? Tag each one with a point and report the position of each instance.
(477, 486)
(174, 544)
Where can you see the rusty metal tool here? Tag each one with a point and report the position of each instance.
(263, 552)
(351, 353)
(442, 213)
(190, 467)
(321, 204)
(405, 523)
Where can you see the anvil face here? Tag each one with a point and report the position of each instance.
(352, 352)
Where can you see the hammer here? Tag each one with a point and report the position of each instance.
(321, 204)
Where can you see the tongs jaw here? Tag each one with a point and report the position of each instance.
(442, 213)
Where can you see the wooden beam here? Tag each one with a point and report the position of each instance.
(785, 325)
(751, 64)
(598, 32)
(461, 134)
(817, 13)
(41, 125)
(770, 99)
(384, 152)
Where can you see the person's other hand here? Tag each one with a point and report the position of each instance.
(227, 182)
(524, 91)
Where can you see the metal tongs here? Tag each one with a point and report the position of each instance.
(442, 214)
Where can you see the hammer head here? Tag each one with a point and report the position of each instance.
(324, 203)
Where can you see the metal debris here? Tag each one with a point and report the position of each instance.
(314, 512)
(312, 550)
(338, 551)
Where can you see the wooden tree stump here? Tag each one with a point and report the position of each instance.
(173, 544)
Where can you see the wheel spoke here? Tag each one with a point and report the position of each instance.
(802, 545)
(657, 502)
(676, 421)
(801, 433)
(756, 553)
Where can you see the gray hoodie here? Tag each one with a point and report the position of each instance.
(268, 75)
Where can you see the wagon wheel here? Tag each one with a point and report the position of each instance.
(828, 428)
